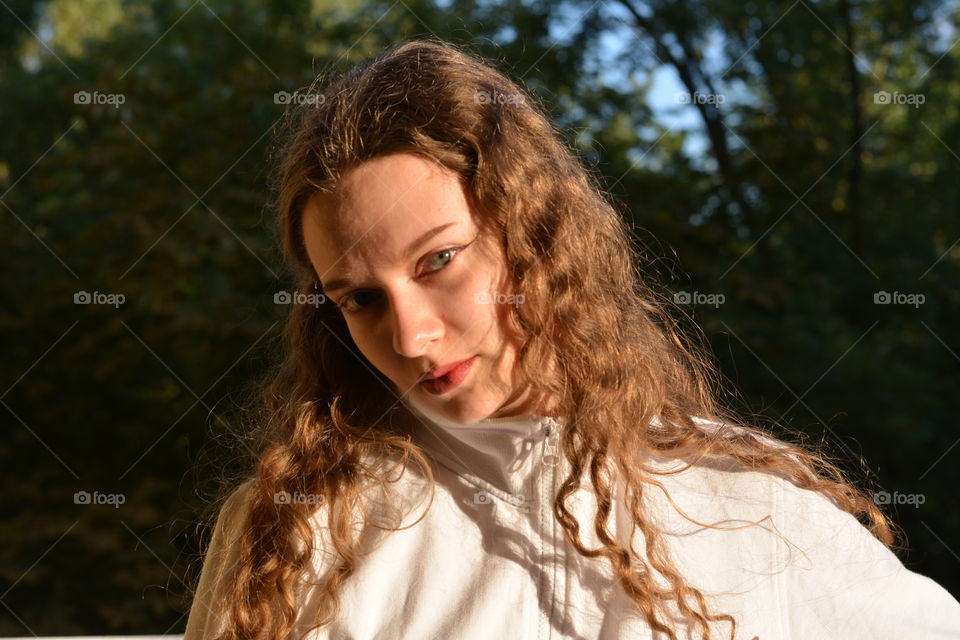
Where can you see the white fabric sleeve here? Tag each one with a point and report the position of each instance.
(847, 584)
(207, 613)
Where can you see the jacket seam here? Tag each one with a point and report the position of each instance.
(542, 629)
(553, 547)
(780, 590)
(478, 482)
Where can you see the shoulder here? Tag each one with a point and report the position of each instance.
(232, 516)
(223, 549)
(237, 503)
(720, 491)
(799, 552)
(722, 487)
(207, 612)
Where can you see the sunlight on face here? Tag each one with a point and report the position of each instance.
(398, 251)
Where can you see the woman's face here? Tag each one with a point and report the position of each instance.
(419, 287)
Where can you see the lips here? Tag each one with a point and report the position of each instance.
(439, 372)
(452, 375)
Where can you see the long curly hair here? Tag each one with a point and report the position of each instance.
(630, 382)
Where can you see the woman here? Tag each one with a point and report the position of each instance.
(486, 425)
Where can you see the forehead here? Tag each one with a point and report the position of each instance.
(379, 208)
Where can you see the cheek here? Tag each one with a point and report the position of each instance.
(472, 311)
(475, 316)
(375, 350)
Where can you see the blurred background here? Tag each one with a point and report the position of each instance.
(792, 171)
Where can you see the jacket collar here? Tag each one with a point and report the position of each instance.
(501, 455)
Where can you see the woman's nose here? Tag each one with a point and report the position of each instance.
(416, 324)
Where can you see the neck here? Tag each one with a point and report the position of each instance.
(505, 452)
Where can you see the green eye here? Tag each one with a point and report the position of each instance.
(354, 301)
(445, 252)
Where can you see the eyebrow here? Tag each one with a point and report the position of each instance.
(343, 283)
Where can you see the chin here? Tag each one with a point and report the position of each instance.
(464, 410)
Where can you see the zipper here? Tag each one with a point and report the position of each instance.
(550, 456)
(548, 527)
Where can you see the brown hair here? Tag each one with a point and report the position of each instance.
(623, 364)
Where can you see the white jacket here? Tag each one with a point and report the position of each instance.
(489, 560)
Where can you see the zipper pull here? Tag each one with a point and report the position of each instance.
(550, 455)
